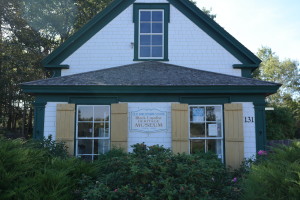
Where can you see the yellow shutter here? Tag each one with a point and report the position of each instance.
(234, 135)
(180, 128)
(119, 126)
(65, 125)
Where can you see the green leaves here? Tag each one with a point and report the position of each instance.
(277, 177)
(155, 173)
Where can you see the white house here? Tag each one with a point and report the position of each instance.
(153, 71)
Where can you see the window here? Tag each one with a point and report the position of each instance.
(151, 33)
(92, 131)
(206, 129)
(151, 28)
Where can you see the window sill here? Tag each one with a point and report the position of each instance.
(163, 59)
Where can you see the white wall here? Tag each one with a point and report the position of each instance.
(50, 119)
(189, 46)
(151, 138)
(249, 129)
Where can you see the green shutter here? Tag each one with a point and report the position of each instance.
(180, 128)
(119, 126)
(65, 125)
(234, 135)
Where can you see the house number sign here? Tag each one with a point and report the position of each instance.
(148, 121)
(249, 119)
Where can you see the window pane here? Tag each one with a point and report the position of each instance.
(197, 114)
(218, 113)
(101, 146)
(197, 146)
(156, 39)
(145, 16)
(85, 129)
(157, 28)
(210, 113)
(101, 113)
(157, 16)
(99, 130)
(215, 146)
(85, 113)
(156, 51)
(197, 130)
(85, 146)
(145, 39)
(144, 51)
(145, 28)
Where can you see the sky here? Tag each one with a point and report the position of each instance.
(257, 23)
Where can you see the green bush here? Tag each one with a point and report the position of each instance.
(155, 173)
(281, 123)
(277, 177)
(30, 170)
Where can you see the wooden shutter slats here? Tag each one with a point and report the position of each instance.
(119, 126)
(234, 135)
(65, 125)
(180, 132)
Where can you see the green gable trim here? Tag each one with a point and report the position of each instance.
(86, 32)
(247, 73)
(246, 66)
(246, 69)
(136, 8)
(33, 89)
(117, 6)
(215, 31)
(57, 66)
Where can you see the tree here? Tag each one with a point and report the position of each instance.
(30, 30)
(285, 119)
(205, 10)
(285, 72)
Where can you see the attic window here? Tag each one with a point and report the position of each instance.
(151, 34)
(151, 31)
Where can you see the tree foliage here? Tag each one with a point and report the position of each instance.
(31, 30)
(285, 119)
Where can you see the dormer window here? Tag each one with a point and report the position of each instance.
(151, 30)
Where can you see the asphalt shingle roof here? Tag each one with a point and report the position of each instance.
(150, 73)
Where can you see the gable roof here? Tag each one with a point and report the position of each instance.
(150, 77)
(117, 6)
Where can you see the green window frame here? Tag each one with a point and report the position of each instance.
(161, 36)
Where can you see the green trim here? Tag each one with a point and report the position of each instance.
(57, 66)
(247, 73)
(86, 32)
(136, 8)
(246, 69)
(260, 126)
(215, 31)
(56, 73)
(39, 117)
(34, 89)
(242, 66)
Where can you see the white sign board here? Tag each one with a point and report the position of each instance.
(148, 121)
(212, 130)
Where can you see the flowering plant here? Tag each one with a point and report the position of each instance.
(262, 153)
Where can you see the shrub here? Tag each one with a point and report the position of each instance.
(29, 170)
(155, 173)
(277, 177)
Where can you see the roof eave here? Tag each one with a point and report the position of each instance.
(215, 89)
